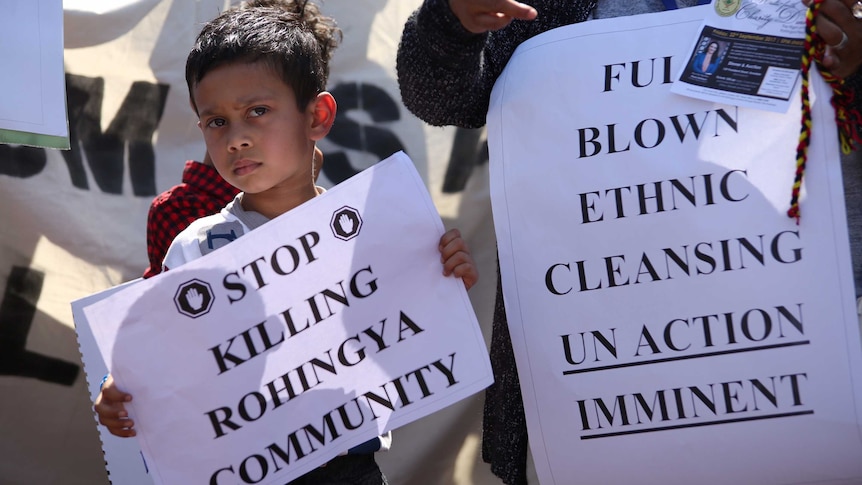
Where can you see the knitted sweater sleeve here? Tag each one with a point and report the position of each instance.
(444, 72)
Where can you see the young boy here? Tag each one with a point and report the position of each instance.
(256, 80)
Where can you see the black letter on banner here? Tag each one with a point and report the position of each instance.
(16, 317)
(469, 150)
(132, 128)
(22, 162)
(350, 134)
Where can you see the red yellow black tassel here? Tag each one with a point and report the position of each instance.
(847, 118)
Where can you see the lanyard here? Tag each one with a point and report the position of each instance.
(671, 4)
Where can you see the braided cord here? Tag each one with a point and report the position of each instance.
(847, 118)
(808, 54)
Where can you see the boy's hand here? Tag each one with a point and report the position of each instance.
(478, 16)
(456, 258)
(112, 412)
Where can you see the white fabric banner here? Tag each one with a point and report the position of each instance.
(221, 353)
(671, 323)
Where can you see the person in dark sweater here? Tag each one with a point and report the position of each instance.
(450, 55)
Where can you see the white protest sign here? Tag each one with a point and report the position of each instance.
(310, 335)
(671, 324)
(32, 87)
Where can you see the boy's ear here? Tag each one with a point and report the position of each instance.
(323, 110)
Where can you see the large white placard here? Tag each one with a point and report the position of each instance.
(32, 88)
(310, 335)
(671, 324)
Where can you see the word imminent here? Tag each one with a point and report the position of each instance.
(717, 403)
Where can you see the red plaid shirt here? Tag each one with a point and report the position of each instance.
(201, 193)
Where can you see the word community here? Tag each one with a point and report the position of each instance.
(398, 393)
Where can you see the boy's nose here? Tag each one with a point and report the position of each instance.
(238, 146)
(239, 140)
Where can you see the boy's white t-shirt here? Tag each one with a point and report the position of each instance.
(209, 233)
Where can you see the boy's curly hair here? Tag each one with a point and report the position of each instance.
(290, 36)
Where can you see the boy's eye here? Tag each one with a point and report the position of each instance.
(258, 111)
(215, 122)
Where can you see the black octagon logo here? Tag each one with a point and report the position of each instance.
(345, 223)
(194, 298)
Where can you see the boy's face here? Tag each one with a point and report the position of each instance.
(259, 141)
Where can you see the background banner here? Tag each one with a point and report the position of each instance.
(74, 221)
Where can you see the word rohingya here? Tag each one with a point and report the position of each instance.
(295, 382)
